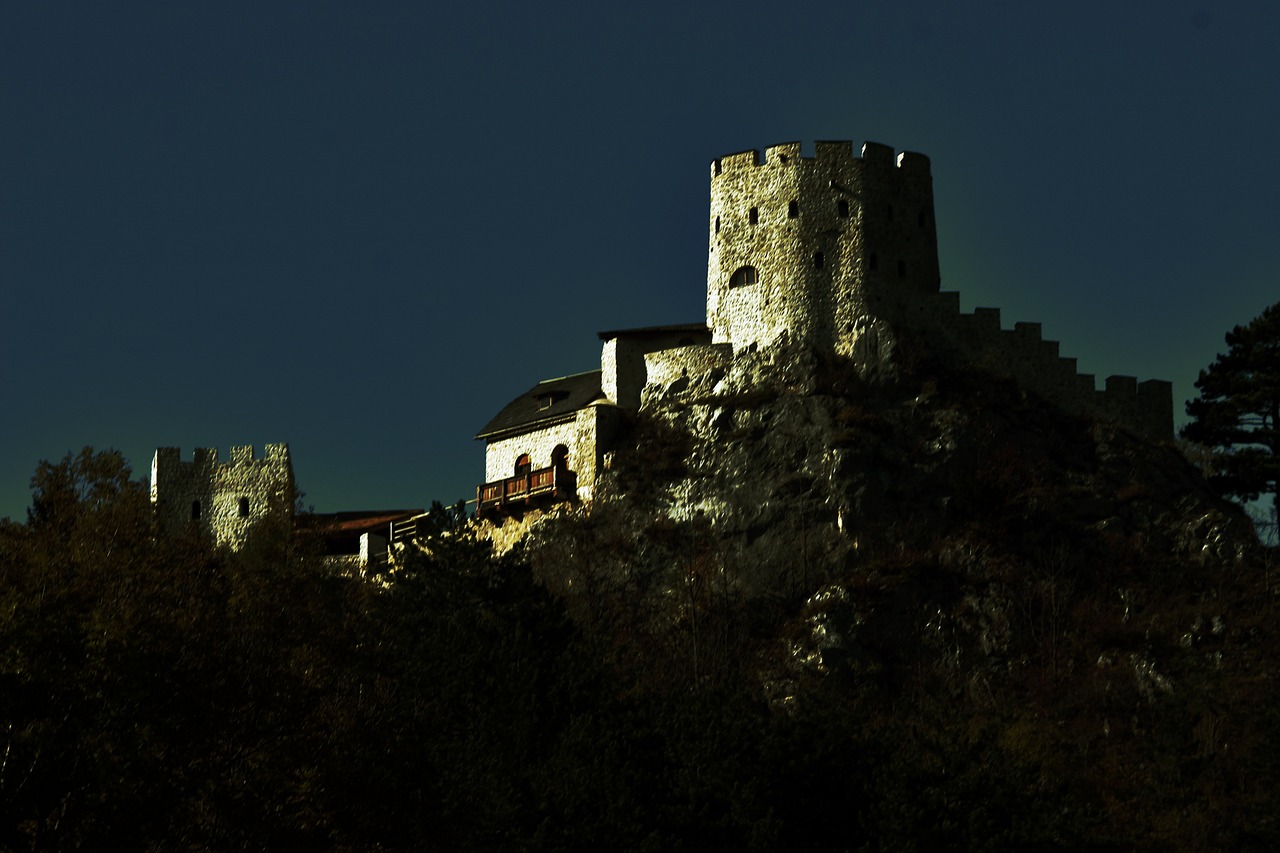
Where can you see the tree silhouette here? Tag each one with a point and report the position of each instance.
(1238, 411)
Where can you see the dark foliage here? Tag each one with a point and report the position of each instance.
(1238, 410)
(159, 694)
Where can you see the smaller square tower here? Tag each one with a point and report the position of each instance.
(224, 499)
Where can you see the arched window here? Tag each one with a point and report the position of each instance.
(717, 224)
(523, 466)
(195, 510)
(743, 276)
(819, 260)
(793, 210)
(244, 507)
(753, 215)
(842, 208)
(560, 457)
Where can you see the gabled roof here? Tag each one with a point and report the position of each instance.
(549, 401)
(647, 331)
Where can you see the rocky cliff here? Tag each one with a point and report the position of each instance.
(795, 461)
(910, 531)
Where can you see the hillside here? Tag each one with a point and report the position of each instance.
(918, 545)
(817, 605)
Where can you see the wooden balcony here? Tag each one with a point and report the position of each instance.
(541, 485)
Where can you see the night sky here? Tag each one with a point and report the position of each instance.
(361, 228)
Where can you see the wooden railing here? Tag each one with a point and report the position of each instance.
(408, 529)
(403, 531)
(550, 483)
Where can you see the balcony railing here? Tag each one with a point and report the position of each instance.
(403, 531)
(523, 489)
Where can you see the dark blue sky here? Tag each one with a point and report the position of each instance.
(361, 228)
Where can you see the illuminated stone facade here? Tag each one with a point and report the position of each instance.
(836, 251)
(228, 499)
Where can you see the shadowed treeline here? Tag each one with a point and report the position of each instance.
(156, 693)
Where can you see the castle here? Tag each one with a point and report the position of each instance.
(227, 500)
(836, 251)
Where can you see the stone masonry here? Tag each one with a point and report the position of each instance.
(836, 251)
(579, 434)
(840, 252)
(827, 238)
(224, 499)
(624, 354)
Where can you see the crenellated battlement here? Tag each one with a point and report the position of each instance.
(836, 252)
(801, 243)
(830, 153)
(1024, 355)
(822, 248)
(240, 454)
(225, 499)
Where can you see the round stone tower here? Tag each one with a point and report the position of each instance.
(814, 246)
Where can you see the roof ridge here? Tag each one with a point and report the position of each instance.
(567, 376)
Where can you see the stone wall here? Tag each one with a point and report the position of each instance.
(842, 251)
(845, 248)
(622, 359)
(225, 499)
(667, 367)
(587, 434)
(1021, 354)
(827, 236)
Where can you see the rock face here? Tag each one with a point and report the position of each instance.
(891, 536)
(901, 515)
(793, 455)
(836, 252)
(855, 491)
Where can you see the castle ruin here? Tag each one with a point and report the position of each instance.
(834, 251)
(837, 251)
(226, 500)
